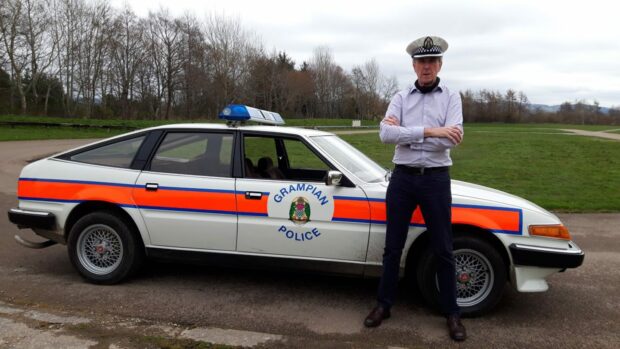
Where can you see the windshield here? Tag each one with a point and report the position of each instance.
(350, 158)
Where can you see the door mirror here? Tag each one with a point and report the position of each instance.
(333, 178)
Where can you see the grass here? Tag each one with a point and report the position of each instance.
(572, 174)
(19, 133)
(150, 123)
(534, 161)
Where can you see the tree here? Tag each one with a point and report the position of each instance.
(330, 83)
(164, 48)
(15, 45)
(127, 53)
(231, 51)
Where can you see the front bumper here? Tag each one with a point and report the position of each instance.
(32, 219)
(547, 257)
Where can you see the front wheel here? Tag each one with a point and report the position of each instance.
(103, 249)
(480, 275)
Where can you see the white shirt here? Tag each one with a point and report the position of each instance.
(417, 111)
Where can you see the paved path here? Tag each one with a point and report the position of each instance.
(16, 154)
(599, 134)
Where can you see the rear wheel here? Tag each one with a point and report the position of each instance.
(480, 275)
(103, 249)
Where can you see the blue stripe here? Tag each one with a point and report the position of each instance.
(198, 190)
(80, 182)
(357, 198)
(376, 200)
(354, 198)
(161, 208)
(135, 185)
(353, 220)
(488, 207)
(511, 232)
(45, 199)
(257, 214)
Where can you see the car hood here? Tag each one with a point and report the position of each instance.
(475, 191)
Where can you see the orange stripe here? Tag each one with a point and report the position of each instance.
(352, 209)
(252, 206)
(487, 218)
(377, 211)
(492, 219)
(186, 199)
(75, 191)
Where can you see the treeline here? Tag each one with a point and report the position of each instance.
(84, 58)
(514, 106)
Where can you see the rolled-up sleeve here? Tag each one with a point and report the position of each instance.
(398, 134)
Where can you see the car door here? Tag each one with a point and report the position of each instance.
(285, 207)
(186, 195)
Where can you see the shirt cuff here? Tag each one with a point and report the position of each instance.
(417, 134)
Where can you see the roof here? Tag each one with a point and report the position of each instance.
(271, 129)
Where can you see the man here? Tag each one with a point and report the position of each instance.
(424, 122)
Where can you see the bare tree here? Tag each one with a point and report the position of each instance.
(165, 48)
(65, 25)
(127, 53)
(15, 45)
(330, 82)
(92, 34)
(231, 52)
(370, 85)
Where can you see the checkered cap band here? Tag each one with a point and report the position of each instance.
(421, 51)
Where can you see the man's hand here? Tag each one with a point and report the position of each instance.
(391, 120)
(453, 133)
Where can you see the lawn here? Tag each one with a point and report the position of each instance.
(558, 172)
(535, 161)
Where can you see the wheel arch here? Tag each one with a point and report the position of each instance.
(87, 207)
(422, 241)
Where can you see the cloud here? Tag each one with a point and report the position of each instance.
(553, 51)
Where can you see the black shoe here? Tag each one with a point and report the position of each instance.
(377, 315)
(456, 328)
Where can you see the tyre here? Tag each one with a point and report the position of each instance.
(480, 276)
(103, 248)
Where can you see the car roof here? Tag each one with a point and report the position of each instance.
(259, 128)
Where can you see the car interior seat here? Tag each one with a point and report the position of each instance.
(267, 170)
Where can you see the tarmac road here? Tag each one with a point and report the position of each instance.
(290, 309)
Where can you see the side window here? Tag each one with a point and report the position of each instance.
(194, 153)
(281, 158)
(261, 158)
(301, 157)
(119, 154)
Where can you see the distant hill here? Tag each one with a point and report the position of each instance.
(555, 108)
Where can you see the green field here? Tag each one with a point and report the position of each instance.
(558, 172)
(535, 161)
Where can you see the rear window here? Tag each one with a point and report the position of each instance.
(194, 153)
(118, 154)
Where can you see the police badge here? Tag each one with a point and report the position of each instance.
(300, 211)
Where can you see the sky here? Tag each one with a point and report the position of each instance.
(553, 51)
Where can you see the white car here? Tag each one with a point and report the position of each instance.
(298, 196)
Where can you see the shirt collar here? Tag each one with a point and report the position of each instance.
(439, 88)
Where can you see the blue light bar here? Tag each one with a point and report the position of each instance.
(240, 113)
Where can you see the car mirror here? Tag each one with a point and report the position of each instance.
(333, 178)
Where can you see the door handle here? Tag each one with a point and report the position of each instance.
(151, 186)
(253, 195)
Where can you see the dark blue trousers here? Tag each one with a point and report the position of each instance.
(430, 191)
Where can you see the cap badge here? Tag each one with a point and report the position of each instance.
(428, 43)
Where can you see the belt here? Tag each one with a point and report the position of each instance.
(419, 171)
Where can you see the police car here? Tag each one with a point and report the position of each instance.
(297, 196)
